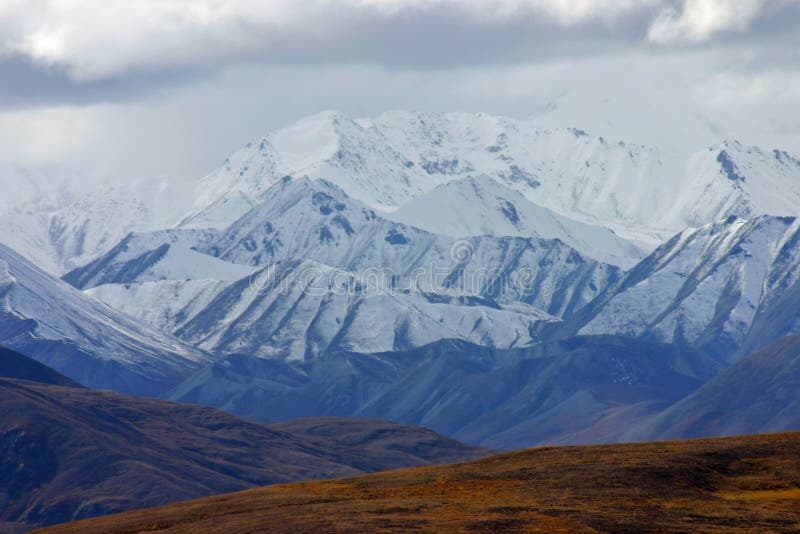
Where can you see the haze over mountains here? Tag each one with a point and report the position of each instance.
(503, 283)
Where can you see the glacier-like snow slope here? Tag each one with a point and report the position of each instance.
(298, 309)
(638, 191)
(313, 219)
(726, 288)
(69, 232)
(164, 304)
(47, 319)
(61, 227)
(483, 206)
(160, 255)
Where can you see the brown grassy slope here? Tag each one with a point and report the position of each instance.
(69, 453)
(739, 484)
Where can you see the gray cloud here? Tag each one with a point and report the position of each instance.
(115, 50)
(23, 85)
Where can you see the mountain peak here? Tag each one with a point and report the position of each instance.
(481, 205)
(641, 192)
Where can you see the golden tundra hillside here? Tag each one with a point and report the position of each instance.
(738, 484)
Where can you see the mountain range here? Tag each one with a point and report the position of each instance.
(499, 282)
(333, 273)
(391, 159)
(645, 193)
(726, 288)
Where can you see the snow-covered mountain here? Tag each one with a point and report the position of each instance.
(727, 288)
(60, 226)
(638, 191)
(46, 319)
(733, 179)
(333, 273)
(160, 255)
(70, 232)
(315, 220)
(483, 206)
(409, 265)
(299, 309)
(642, 193)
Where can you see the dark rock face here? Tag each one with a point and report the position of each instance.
(510, 211)
(518, 175)
(15, 365)
(729, 167)
(395, 237)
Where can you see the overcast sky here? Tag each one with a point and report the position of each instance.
(169, 87)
